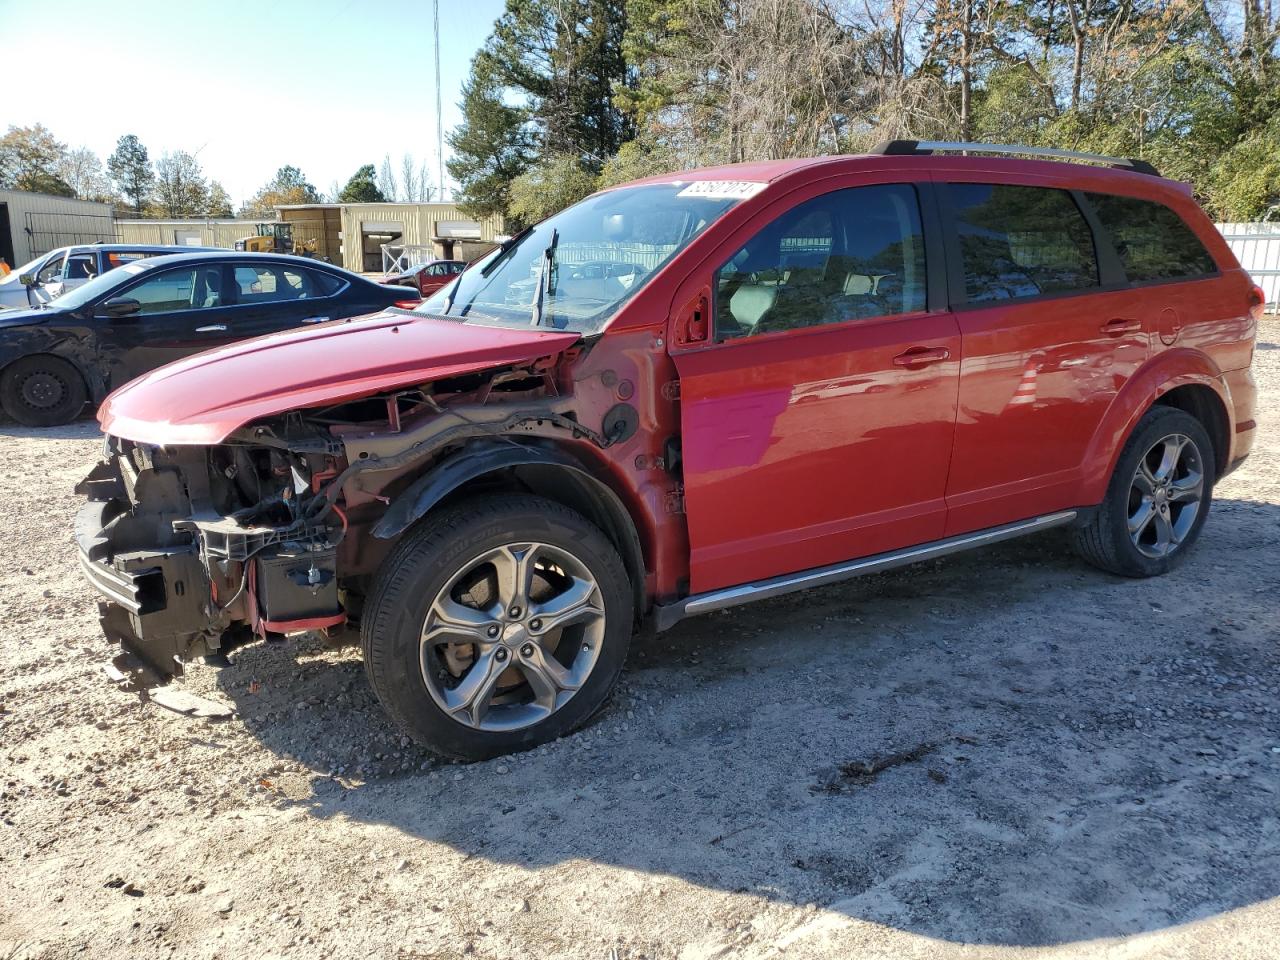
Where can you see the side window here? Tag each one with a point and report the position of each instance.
(849, 255)
(116, 258)
(263, 284)
(307, 284)
(82, 266)
(1152, 240)
(193, 288)
(52, 270)
(1021, 241)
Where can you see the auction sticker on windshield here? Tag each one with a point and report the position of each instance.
(722, 189)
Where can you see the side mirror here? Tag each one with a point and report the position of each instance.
(27, 279)
(121, 307)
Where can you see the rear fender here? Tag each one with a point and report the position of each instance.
(1167, 371)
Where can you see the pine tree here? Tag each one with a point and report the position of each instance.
(130, 169)
(362, 187)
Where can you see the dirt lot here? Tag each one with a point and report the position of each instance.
(1073, 765)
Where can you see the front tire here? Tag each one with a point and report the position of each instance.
(1157, 500)
(497, 625)
(42, 391)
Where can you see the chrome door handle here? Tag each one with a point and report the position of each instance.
(315, 319)
(212, 328)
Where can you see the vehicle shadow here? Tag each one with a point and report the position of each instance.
(1004, 747)
(84, 429)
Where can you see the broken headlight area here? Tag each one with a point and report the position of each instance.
(195, 549)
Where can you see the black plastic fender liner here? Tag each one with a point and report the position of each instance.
(585, 493)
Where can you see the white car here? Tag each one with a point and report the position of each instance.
(54, 273)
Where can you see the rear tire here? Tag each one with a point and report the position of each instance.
(1158, 498)
(497, 625)
(42, 391)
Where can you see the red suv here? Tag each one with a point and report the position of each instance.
(681, 394)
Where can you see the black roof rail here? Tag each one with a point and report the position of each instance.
(903, 148)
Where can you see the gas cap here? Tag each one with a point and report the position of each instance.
(1170, 326)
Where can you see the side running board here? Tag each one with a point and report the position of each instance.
(666, 616)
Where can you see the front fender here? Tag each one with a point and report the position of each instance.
(477, 459)
(580, 489)
(75, 347)
(1165, 372)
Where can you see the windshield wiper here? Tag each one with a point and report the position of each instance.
(545, 273)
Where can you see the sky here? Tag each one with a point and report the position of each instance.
(248, 87)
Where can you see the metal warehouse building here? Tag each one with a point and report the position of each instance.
(352, 235)
(186, 233)
(35, 223)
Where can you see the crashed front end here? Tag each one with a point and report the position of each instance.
(195, 549)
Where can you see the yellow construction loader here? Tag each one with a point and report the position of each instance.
(277, 237)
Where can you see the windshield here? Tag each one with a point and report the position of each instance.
(573, 271)
(101, 284)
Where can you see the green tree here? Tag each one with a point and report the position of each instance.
(130, 170)
(492, 146)
(181, 190)
(557, 182)
(362, 187)
(219, 202)
(288, 186)
(30, 158)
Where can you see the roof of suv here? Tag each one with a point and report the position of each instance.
(903, 154)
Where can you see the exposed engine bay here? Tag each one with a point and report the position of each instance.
(278, 529)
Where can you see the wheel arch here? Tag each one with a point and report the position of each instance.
(495, 465)
(39, 347)
(1184, 378)
(92, 388)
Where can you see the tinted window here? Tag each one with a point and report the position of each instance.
(1152, 241)
(1021, 241)
(267, 284)
(192, 288)
(848, 255)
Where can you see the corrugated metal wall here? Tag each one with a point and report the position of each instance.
(1257, 247)
(39, 223)
(338, 230)
(212, 233)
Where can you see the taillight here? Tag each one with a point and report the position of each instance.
(1257, 302)
(407, 304)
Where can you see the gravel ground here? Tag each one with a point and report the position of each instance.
(1003, 754)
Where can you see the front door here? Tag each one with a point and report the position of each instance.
(818, 417)
(181, 311)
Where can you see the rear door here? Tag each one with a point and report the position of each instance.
(818, 415)
(1051, 333)
(270, 297)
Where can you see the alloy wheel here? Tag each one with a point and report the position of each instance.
(512, 636)
(1166, 495)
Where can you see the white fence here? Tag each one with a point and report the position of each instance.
(1257, 247)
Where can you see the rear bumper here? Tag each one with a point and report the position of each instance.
(1243, 393)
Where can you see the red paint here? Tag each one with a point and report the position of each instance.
(809, 446)
(204, 398)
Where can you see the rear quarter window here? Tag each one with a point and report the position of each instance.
(1152, 241)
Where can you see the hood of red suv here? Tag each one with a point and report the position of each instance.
(202, 399)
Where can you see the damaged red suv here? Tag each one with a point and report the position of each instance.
(682, 394)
